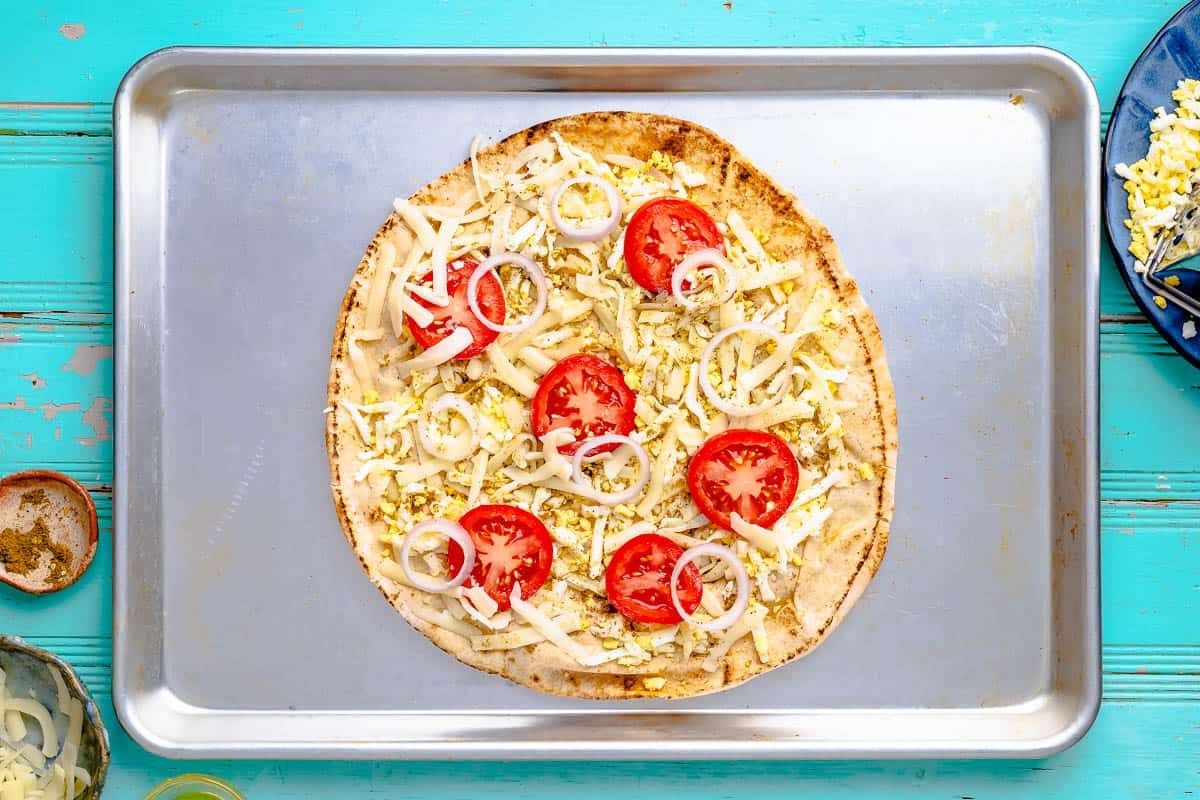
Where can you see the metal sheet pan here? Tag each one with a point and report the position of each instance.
(961, 185)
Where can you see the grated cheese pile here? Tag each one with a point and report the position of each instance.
(42, 767)
(1159, 184)
(594, 306)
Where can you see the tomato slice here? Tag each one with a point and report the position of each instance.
(751, 472)
(638, 580)
(511, 546)
(587, 395)
(458, 314)
(661, 234)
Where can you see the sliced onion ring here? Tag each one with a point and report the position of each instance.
(535, 274)
(594, 232)
(449, 402)
(613, 498)
(721, 404)
(740, 577)
(709, 257)
(452, 531)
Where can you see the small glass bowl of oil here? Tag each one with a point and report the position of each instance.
(194, 787)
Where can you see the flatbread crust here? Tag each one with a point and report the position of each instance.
(827, 592)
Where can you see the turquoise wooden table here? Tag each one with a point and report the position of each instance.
(62, 62)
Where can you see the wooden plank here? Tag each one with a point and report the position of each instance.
(1150, 574)
(1115, 300)
(1149, 439)
(57, 225)
(56, 394)
(85, 61)
(50, 119)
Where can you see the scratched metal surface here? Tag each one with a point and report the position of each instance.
(55, 285)
(985, 608)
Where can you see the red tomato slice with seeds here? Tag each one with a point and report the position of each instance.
(751, 472)
(458, 313)
(511, 546)
(661, 234)
(586, 394)
(638, 580)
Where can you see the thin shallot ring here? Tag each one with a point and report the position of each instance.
(709, 257)
(595, 232)
(615, 498)
(465, 410)
(454, 532)
(740, 576)
(535, 274)
(722, 405)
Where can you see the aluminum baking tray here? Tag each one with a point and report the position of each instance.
(961, 185)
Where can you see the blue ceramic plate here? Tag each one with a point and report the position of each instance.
(1172, 55)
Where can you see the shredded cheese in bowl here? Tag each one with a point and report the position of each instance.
(39, 746)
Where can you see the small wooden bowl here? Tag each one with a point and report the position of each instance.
(49, 508)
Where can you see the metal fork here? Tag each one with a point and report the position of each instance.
(1186, 219)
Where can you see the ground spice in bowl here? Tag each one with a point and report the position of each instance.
(48, 530)
(21, 551)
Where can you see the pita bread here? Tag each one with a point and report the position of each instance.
(837, 563)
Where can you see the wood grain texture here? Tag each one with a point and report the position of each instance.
(1104, 35)
(64, 59)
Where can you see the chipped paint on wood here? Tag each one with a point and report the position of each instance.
(96, 419)
(83, 362)
(16, 404)
(45, 106)
(34, 380)
(72, 30)
(52, 410)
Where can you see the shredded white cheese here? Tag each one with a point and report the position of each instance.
(507, 372)
(425, 469)
(381, 273)
(458, 340)
(442, 619)
(416, 222)
(753, 617)
(48, 772)
(818, 489)
(358, 361)
(596, 562)
(546, 626)
(762, 538)
(524, 635)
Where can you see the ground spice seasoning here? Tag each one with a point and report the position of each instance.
(35, 497)
(21, 552)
